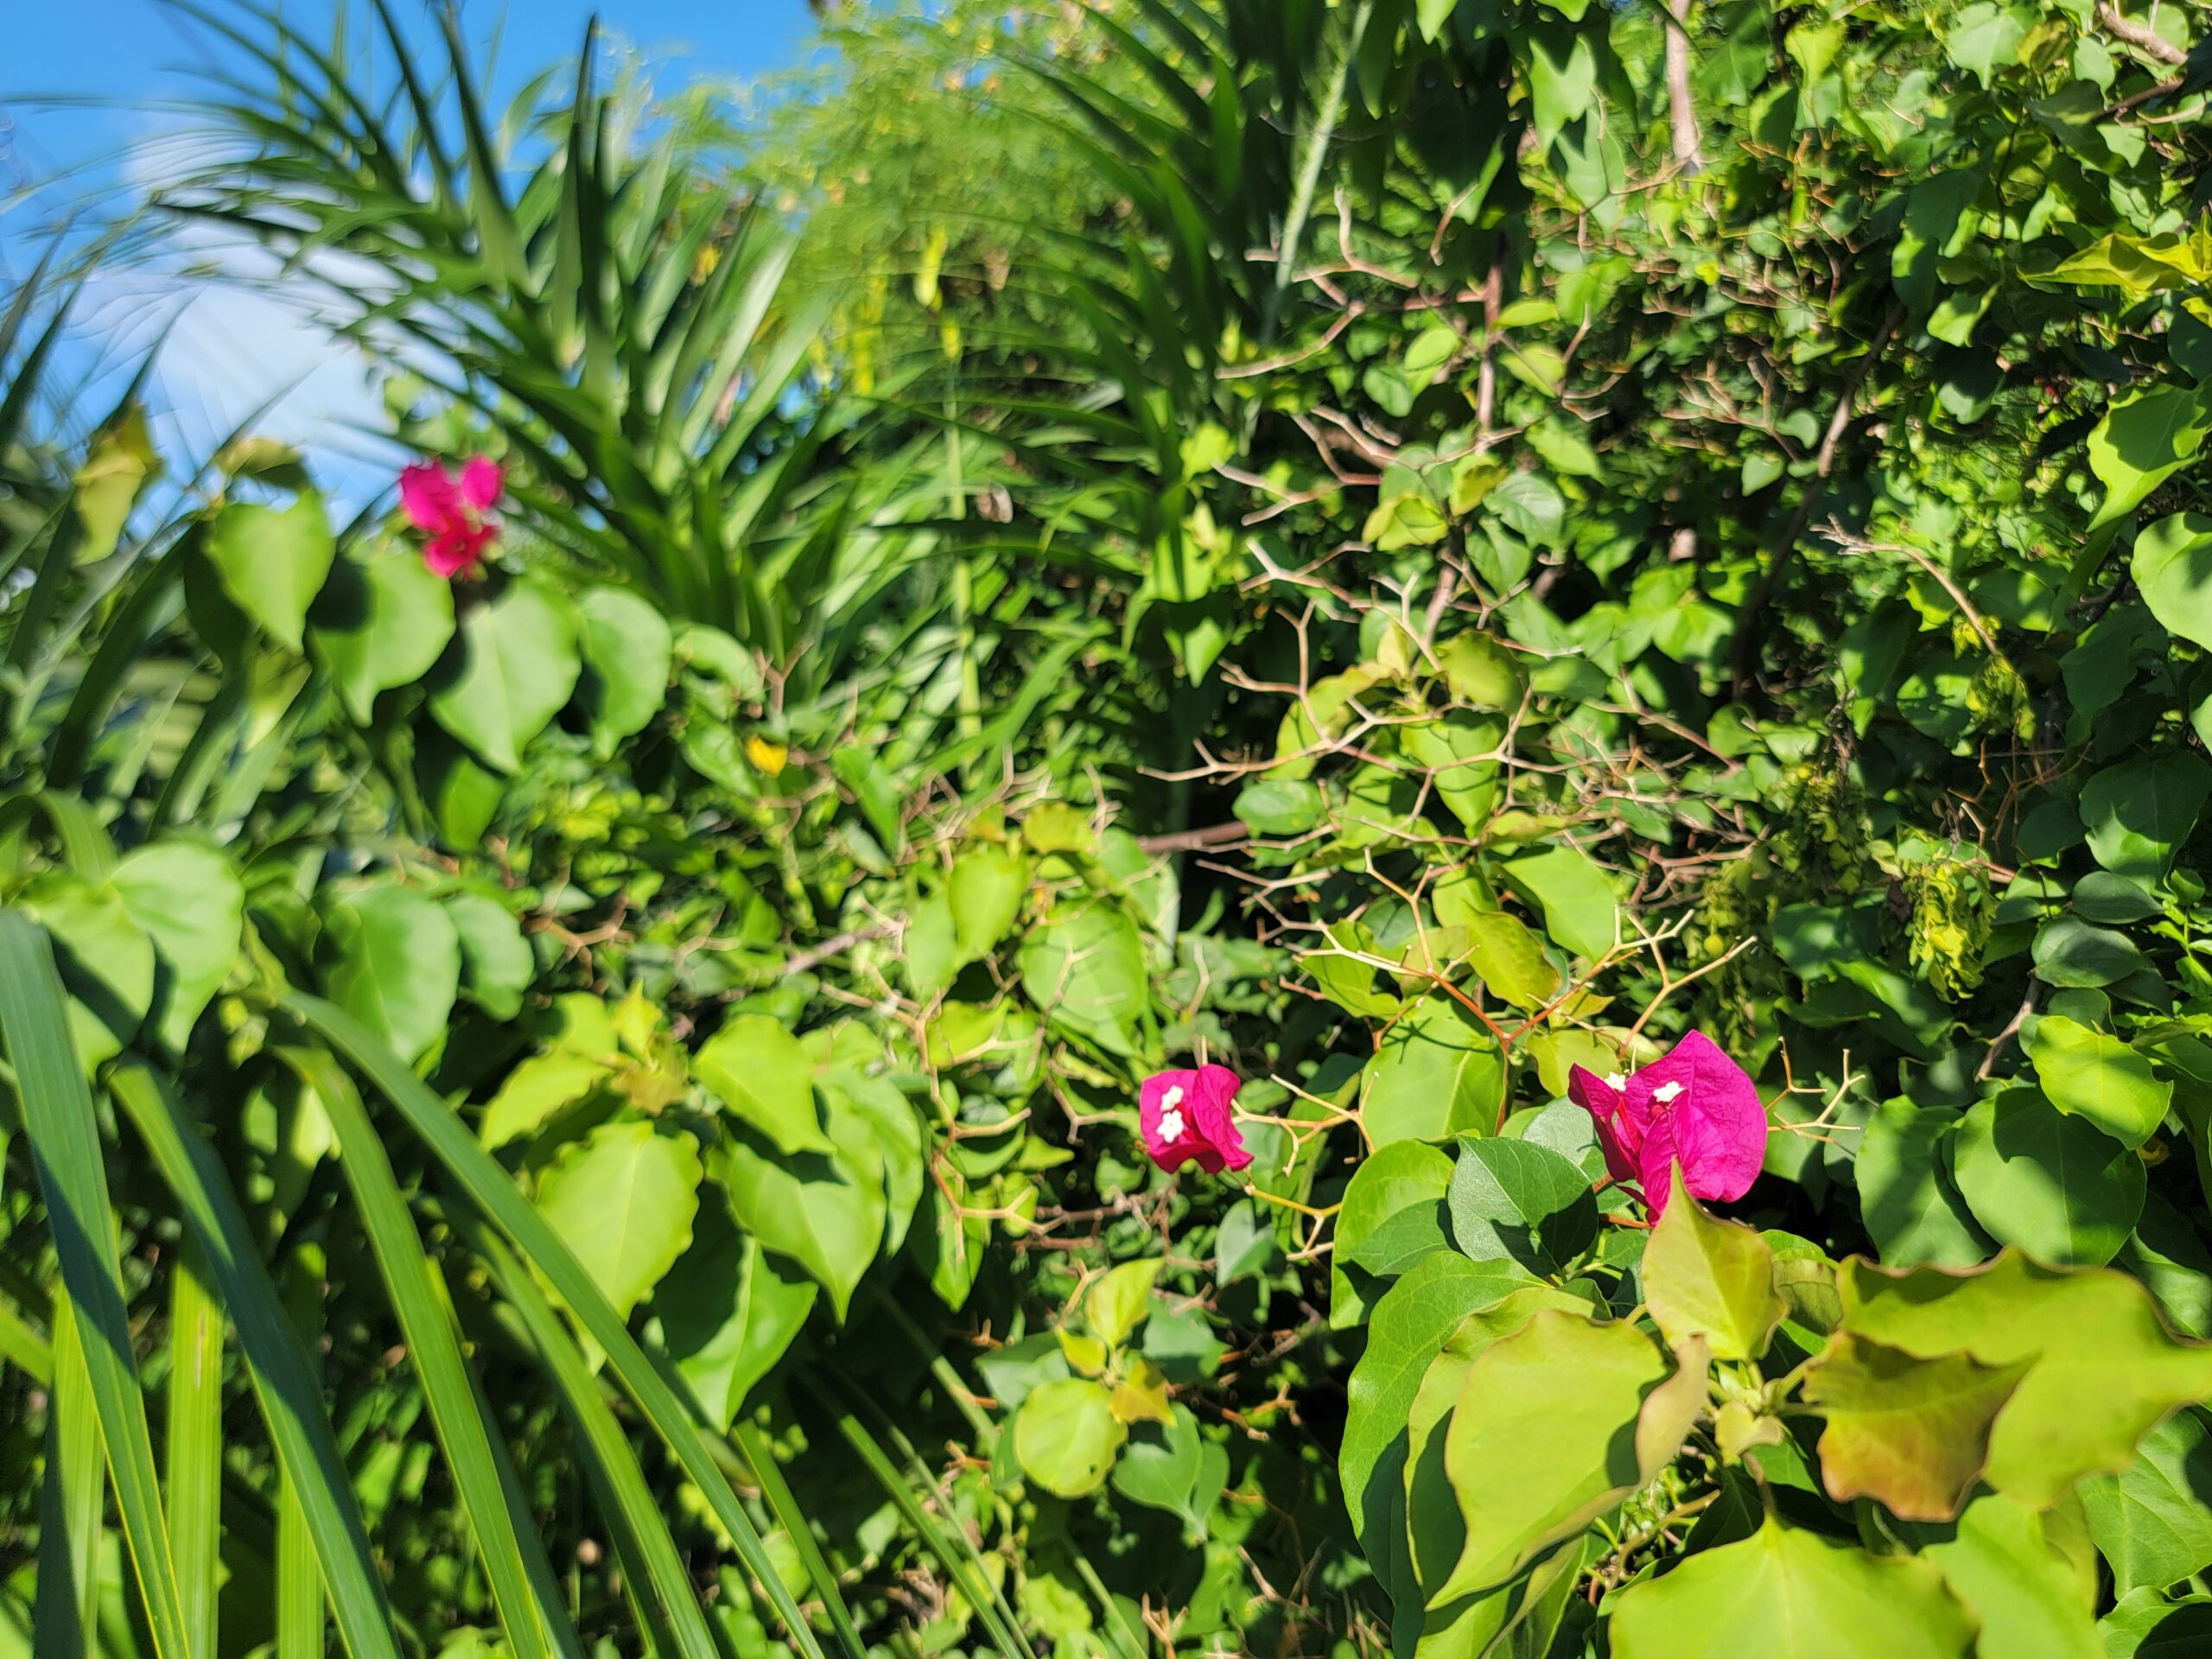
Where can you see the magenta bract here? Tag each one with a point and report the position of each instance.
(1693, 1105)
(452, 511)
(1187, 1115)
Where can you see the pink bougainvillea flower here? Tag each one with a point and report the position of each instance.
(1185, 1114)
(1692, 1106)
(452, 511)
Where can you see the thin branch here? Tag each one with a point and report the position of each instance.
(2145, 41)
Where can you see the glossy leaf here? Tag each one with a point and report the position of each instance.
(1067, 1436)
(273, 563)
(517, 668)
(2102, 1367)
(380, 622)
(2058, 1186)
(1551, 1428)
(2092, 1076)
(394, 965)
(1792, 1594)
(1521, 1200)
(762, 1075)
(1704, 1277)
(623, 1199)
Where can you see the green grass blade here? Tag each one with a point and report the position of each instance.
(299, 1579)
(195, 1442)
(522, 1586)
(57, 1108)
(960, 1560)
(291, 1395)
(493, 1191)
(785, 1506)
(653, 1570)
(23, 1347)
(70, 1504)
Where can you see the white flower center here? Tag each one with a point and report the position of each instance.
(1665, 1093)
(1171, 1124)
(1614, 1080)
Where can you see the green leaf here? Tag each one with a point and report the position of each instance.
(2153, 1520)
(1704, 1277)
(1913, 1433)
(1523, 1201)
(2098, 1077)
(622, 1199)
(1562, 77)
(2172, 565)
(728, 1309)
(272, 564)
(876, 1128)
(1434, 1076)
(2058, 1186)
(1407, 1331)
(380, 623)
(1066, 1436)
(627, 649)
(2137, 265)
(1173, 1467)
(2139, 812)
(1085, 970)
(1280, 806)
(2142, 440)
(1428, 1545)
(535, 1090)
(1393, 1210)
(1460, 754)
(764, 1076)
(1784, 1593)
(394, 965)
(2030, 1599)
(1120, 1299)
(107, 960)
(1551, 1429)
(1911, 1208)
(2072, 955)
(1511, 959)
(930, 947)
(1576, 895)
(497, 965)
(2103, 1369)
(823, 1212)
(986, 888)
(1432, 16)
(188, 898)
(519, 666)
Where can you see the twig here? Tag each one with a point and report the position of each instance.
(808, 960)
(1183, 841)
(1681, 111)
(2012, 1030)
(2142, 38)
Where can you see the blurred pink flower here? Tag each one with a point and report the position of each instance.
(1693, 1105)
(1185, 1114)
(451, 510)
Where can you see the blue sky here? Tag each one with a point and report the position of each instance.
(229, 351)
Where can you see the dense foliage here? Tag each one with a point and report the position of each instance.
(579, 1093)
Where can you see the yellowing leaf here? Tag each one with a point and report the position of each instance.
(1913, 1433)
